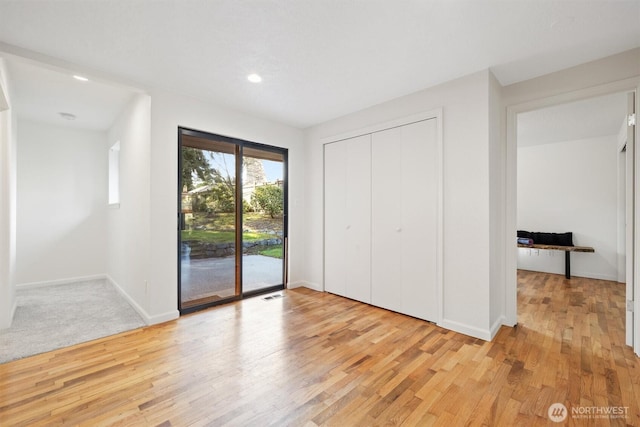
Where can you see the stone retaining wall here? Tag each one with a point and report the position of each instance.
(197, 249)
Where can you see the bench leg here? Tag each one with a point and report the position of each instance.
(567, 265)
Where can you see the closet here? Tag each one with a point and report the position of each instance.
(381, 218)
(348, 218)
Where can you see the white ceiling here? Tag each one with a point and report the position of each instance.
(589, 118)
(41, 93)
(319, 59)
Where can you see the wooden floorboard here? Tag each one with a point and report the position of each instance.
(316, 359)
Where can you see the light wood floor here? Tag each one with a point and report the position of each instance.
(317, 359)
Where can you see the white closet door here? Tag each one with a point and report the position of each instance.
(420, 219)
(335, 206)
(358, 215)
(404, 225)
(386, 223)
(347, 195)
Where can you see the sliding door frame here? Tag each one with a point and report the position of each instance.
(240, 145)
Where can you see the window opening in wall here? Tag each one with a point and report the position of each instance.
(114, 174)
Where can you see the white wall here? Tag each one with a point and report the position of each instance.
(571, 186)
(128, 236)
(497, 204)
(167, 113)
(465, 103)
(61, 222)
(7, 201)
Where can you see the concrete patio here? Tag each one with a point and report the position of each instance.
(202, 278)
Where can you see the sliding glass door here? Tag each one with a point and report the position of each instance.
(232, 219)
(263, 219)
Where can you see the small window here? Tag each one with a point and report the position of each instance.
(114, 174)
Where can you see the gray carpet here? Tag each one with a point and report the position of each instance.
(59, 316)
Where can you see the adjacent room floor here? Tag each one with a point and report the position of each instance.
(57, 316)
(62, 315)
(313, 358)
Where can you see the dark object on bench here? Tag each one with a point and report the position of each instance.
(556, 242)
(557, 239)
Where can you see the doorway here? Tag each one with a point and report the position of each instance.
(232, 219)
(513, 113)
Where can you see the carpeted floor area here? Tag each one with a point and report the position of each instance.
(58, 316)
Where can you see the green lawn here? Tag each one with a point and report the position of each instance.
(222, 236)
(273, 251)
(226, 221)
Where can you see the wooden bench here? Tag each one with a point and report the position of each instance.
(567, 251)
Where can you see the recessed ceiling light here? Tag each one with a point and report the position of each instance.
(81, 78)
(254, 78)
(67, 116)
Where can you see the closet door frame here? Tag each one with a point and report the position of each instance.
(435, 114)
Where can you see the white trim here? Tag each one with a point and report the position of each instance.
(324, 228)
(149, 320)
(66, 281)
(440, 214)
(141, 311)
(12, 312)
(636, 227)
(582, 274)
(625, 85)
(4, 102)
(303, 284)
(418, 117)
(472, 331)
(163, 317)
(622, 136)
(511, 220)
(497, 325)
(594, 276)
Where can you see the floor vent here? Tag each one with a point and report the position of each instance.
(271, 297)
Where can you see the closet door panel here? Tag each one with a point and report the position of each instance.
(419, 193)
(381, 218)
(358, 218)
(386, 212)
(335, 206)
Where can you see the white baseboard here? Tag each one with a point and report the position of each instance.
(6, 322)
(141, 311)
(296, 284)
(500, 321)
(148, 319)
(472, 331)
(13, 311)
(164, 317)
(302, 283)
(66, 281)
(574, 273)
(597, 276)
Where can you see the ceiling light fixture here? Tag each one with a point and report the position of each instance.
(80, 78)
(67, 116)
(254, 78)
